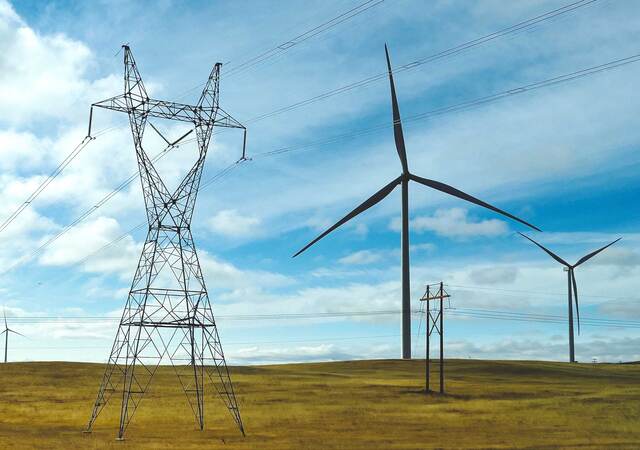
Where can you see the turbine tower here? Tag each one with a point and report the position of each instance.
(6, 332)
(168, 313)
(403, 180)
(572, 287)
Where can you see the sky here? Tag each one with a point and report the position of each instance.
(563, 157)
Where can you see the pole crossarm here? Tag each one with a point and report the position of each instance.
(162, 109)
(168, 315)
(430, 295)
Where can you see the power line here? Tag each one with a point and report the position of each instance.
(52, 176)
(462, 106)
(285, 46)
(325, 26)
(359, 9)
(522, 291)
(521, 26)
(345, 338)
(101, 203)
(472, 312)
(465, 105)
(525, 319)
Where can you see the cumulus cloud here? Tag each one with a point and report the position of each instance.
(455, 223)
(42, 76)
(624, 308)
(304, 353)
(230, 222)
(618, 256)
(20, 150)
(494, 275)
(222, 275)
(426, 247)
(605, 350)
(86, 238)
(361, 257)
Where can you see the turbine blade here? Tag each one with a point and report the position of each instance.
(464, 196)
(592, 254)
(15, 332)
(375, 198)
(397, 123)
(4, 313)
(575, 297)
(549, 252)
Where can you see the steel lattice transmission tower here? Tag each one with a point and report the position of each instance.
(168, 313)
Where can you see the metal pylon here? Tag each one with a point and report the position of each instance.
(168, 315)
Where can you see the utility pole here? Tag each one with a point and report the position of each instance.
(434, 322)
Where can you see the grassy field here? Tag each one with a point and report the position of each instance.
(357, 404)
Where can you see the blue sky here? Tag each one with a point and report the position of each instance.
(563, 157)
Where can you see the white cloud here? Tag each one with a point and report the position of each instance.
(361, 257)
(230, 222)
(303, 353)
(42, 75)
(454, 222)
(224, 276)
(544, 348)
(20, 150)
(494, 275)
(82, 240)
(426, 247)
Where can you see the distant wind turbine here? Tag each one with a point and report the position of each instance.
(572, 287)
(403, 180)
(6, 332)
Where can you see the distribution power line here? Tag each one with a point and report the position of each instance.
(478, 313)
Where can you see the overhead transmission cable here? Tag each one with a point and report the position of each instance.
(442, 54)
(300, 38)
(325, 26)
(286, 45)
(465, 104)
(359, 9)
(521, 26)
(52, 176)
(471, 312)
(522, 291)
(462, 106)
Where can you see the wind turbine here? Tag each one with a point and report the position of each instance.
(6, 332)
(572, 287)
(403, 180)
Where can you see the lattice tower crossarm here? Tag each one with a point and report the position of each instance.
(168, 315)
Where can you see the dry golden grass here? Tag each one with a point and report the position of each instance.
(358, 404)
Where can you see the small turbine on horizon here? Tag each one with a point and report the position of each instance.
(6, 332)
(572, 287)
(403, 180)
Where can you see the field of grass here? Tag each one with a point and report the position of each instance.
(356, 404)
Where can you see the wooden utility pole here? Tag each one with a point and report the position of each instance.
(434, 322)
